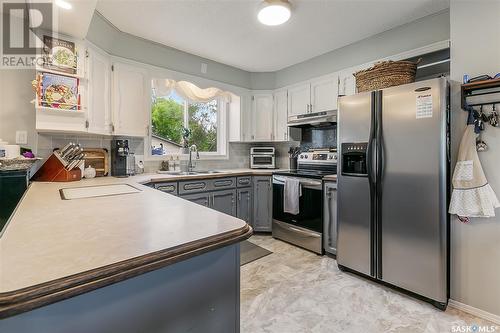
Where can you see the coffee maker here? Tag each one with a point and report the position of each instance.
(121, 159)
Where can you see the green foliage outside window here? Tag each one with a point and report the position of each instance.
(167, 116)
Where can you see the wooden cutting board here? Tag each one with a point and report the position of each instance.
(98, 158)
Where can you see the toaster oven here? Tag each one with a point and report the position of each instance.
(262, 158)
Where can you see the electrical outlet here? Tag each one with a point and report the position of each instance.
(21, 137)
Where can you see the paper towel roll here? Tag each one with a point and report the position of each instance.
(12, 151)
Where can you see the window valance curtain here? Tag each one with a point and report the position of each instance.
(189, 91)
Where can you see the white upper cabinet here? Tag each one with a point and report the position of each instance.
(99, 98)
(262, 117)
(314, 96)
(131, 100)
(280, 115)
(324, 93)
(240, 123)
(299, 99)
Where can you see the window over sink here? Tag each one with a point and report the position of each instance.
(183, 114)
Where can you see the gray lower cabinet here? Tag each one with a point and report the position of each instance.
(246, 197)
(263, 203)
(245, 205)
(199, 198)
(224, 201)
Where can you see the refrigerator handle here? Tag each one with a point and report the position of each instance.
(372, 180)
(380, 165)
(371, 145)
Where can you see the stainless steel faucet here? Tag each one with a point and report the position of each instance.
(192, 149)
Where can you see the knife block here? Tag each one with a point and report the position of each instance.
(54, 171)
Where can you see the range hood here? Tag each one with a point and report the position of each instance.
(314, 119)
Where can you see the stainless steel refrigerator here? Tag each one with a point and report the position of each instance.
(393, 187)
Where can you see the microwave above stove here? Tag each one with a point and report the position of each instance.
(262, 158)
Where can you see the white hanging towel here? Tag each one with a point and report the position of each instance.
(291, 197)
(472, 195)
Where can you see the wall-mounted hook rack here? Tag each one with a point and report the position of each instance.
(477, 89)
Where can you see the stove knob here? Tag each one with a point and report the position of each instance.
(330, 157)
(306, 157)
(335, 157)
(301, 156)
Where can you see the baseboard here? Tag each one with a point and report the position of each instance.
(474, 311)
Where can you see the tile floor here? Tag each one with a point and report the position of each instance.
(293, 290)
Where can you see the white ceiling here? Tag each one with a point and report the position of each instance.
(73, 22)
(227, 31)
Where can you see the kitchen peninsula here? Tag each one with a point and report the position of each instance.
(137, 262)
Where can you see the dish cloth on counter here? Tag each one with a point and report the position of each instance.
(472, 195)
(291, 197)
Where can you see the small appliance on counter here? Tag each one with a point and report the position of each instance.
(262, 158)
(122, 162)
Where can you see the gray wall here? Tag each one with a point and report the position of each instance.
(422, 32)
(425, 31)
(475, 50)
(16, 111)
(117, 43)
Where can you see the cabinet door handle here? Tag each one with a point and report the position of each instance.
(166, 188)
(243, 181)
(194, 186)
(223, 183)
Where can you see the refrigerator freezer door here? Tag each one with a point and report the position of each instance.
(354, 239)
(413, 188)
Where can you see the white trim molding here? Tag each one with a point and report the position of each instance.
(474, 311)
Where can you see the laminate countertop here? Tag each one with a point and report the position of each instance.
(53, 249)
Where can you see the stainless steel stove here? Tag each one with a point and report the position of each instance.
(314, 164)
(304, 229)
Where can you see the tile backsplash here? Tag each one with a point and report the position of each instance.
(239, 153)
(239, 157)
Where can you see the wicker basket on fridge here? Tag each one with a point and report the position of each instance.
(386, 74)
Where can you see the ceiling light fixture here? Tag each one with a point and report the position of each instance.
(274, 12)
(63, 4)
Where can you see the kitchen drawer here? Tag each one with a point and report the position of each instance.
(244, 181)
(194, 186)
(170, 187)
(223, 183)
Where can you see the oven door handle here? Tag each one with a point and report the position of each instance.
(312, 184)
